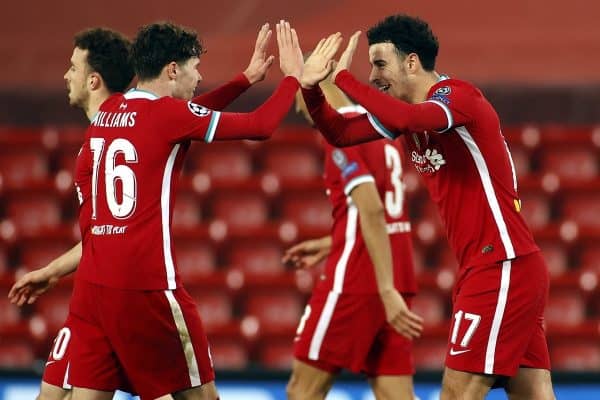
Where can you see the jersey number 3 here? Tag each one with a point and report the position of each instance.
(394, 199)
(125, 206)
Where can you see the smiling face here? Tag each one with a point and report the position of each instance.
(389, 71)
(76, 78)
(187, 79)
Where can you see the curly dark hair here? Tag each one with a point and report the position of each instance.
(409, 35)
(108, 55)
(158, 44)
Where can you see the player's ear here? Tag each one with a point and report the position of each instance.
(94, 81)
(172, 70)
(412, 62)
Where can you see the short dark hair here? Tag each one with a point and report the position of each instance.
(158, 44)
(108, 55)
(409, 35)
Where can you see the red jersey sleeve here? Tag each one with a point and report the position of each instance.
(457, 99)
(221, 97)
(348, 167)
(389, 116)
(191, 121)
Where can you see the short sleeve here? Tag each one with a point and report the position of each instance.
(348, 167)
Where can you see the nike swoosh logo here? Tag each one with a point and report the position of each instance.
(457, 352)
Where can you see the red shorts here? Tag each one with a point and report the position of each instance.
(56, 371)
(350, 331)
(152, 340)
(498, 317)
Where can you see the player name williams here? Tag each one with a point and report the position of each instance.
(114, 119)
(100, 230)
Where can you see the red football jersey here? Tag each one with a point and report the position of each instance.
(349, 268)
(455, 142)
(137, 144)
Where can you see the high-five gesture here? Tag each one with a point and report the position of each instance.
(320, 62)
(290, 54)
(260, 62)
(346, 57)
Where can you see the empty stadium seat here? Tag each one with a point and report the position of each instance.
(309, 210)
(259, 258)
(16, 353)
(429, 354)
(215, 307)
(9, 313)
(187, 211)
(292, 163)
(584, 209)
(536, 209)
(32, 213)
(222, 161)
(565, 308)
(228, 354)
(194, 259)
(556, 256)
(277, 310)
(277, 354)
(430, 306)
(570, 163)
(576, 356)
(240, 210)
(589, 258)
(38, 253)
(20, 168)
(53, 307)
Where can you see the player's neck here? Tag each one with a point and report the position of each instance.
(94, 104)
(424, 85)
(159, 87)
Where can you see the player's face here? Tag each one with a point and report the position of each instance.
(76, 78)
(187, 79)
(388, 72)
(301, 107)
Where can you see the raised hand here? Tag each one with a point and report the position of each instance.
(320, 62)
(31, 286)
(346, 57)
(397, 314)
(307, 254)
(260, 62)
(290, 54)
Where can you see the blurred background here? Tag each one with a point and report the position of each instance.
(240, 205)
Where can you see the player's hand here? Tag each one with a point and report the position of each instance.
(31, 286)
(320, 62)
(346, 57)
(397, 313)
(290, 54)
(307, 254)
(260, 62)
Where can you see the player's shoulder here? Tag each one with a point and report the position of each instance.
(448, 87)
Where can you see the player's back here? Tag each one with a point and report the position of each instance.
(349, 267)
(135, 166)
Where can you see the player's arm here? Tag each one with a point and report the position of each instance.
(197, 122)
(373, 228)
(393, 116)
(256, 71)
(339, 130)
(33, 284)
(308, 253)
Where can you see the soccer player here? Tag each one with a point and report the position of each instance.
(131, 315)
(100, 67)
(369, 260)
(453, 137)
